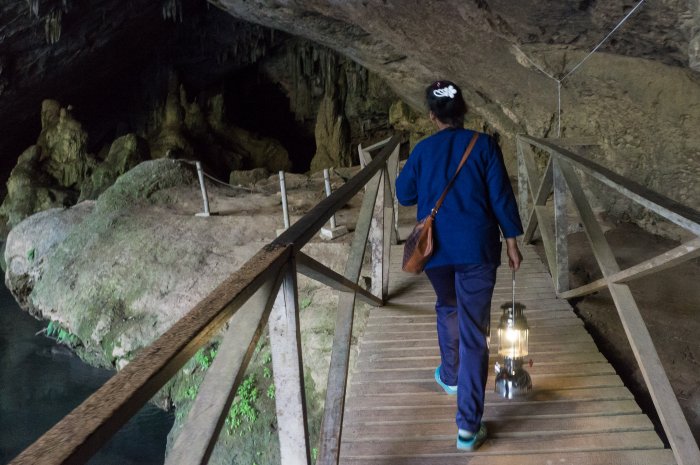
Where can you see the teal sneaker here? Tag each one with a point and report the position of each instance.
(450, 390)
(470, 441)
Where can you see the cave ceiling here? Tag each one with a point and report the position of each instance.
(643, 80)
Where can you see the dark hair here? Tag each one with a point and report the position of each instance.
(445, 100)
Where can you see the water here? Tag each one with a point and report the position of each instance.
(40, 382)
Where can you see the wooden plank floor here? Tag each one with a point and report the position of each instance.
(579, 412)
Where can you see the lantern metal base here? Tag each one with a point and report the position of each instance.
(512, 380)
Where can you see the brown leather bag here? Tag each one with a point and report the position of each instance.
(420, 243)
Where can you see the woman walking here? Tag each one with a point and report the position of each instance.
(479, 206)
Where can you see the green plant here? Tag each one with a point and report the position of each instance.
(243, 408)
(191, 392)
(30, 254)
(268, 358)
(55, 331)
(305, 302)
(271, 391)
(205, 356)
(314, 453)
(267, 373)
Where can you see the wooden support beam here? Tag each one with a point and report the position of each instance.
(388, 226)
(90, 425)
(288, 373)
(546, 230)
(315, 270)
(685, 449)
(378, 264)
(377, 145)
(543, 190)
(666, 260)
(331, 426)
(392, 166)
(303, 230)
(363, 155)
(561, 230)
(206, 417)
(682, 215)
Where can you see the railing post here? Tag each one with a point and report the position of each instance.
(388, 225)
(377, 233)
(288, 371)
(561, 228)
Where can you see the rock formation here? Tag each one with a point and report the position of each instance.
(124, 154)
(332, 136)
(627, 95)
(117, 272)
(50, 173)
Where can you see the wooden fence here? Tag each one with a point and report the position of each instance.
(561, 177)
(263, 292)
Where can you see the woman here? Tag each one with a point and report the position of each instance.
(467, 247)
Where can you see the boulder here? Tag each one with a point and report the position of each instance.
(248, 177)
(116, 273)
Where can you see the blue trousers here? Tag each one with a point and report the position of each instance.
(463, 309)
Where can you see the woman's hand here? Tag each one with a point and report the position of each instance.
(514, 255)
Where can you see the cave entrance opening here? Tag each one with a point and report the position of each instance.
(259, 105)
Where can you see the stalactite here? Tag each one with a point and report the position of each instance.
(172, 9)
(33, 7)
(52, 26)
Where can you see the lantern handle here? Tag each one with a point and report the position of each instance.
(513, 293)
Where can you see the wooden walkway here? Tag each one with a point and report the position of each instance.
(579, 411)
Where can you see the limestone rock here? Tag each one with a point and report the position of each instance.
(125, 153)
(171, 140)
(142, 182)
(248, 177)
(30, 190)
(64, 145)
(32, 241)
(118, 272)
(332, 136)
(404, 118)
(260, 152)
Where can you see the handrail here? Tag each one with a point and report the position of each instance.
(561, 178)
(89, 426)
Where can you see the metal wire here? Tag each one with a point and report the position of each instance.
(193, 163)
(578, 65)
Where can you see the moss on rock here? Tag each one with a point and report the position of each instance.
(142, 182)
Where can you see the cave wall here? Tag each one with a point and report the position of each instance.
(639, 96)
(112, 63)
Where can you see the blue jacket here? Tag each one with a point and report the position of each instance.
(481, 199)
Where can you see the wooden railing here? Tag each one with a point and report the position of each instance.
(559, 177)
(262, 292)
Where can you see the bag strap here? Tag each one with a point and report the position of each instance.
(438, 204)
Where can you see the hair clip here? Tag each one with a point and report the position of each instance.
(445, 92)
